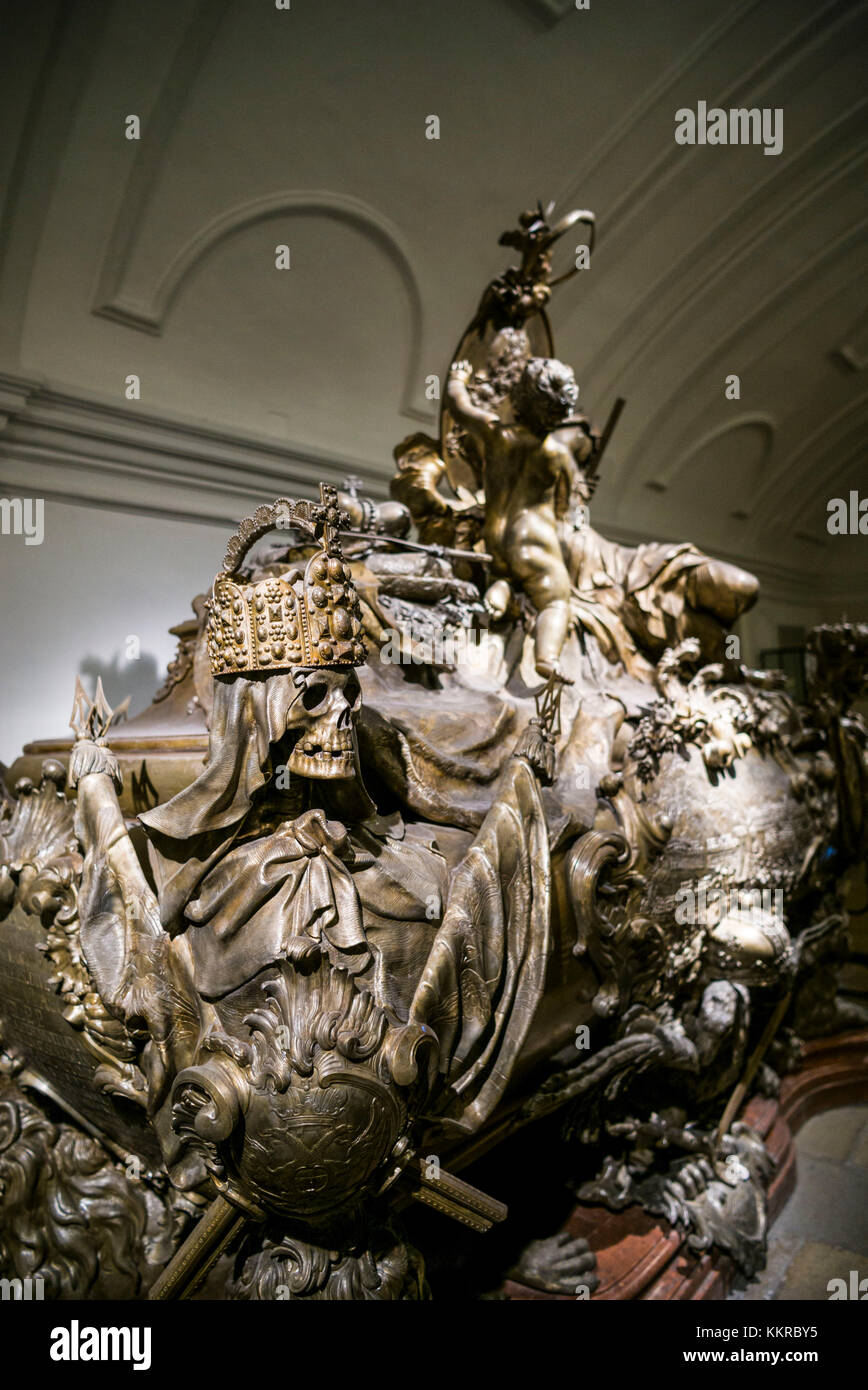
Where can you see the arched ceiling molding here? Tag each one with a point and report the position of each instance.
(676, 160)
(852, 355)
(150, 315)
(766, 210)
(832, 482)
(150, 151)
(71, 49)
(638, 114)
(763, 309)
(764, 424)
(803, 461)
(809, 522)
(827, 454)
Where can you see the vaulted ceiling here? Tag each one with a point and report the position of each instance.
(307, 127)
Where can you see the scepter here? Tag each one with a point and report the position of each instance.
(608, 431)
(442, 552)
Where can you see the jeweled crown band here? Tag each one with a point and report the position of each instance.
(305, 617)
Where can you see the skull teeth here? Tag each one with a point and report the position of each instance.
(323, 762)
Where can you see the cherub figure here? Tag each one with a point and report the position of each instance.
(526, 466)
(440, 519)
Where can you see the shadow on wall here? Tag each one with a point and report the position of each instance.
(138, 678)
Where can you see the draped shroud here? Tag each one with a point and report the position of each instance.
(485, 974)
(261, 899)
(253, 901)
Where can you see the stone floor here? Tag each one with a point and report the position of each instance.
(822, 1233)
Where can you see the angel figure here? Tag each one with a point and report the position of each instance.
(524, 465)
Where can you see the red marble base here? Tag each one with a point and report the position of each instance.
(641, 1256)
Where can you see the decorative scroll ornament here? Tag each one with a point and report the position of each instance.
(600, 883)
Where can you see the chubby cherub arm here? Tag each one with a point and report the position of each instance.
(580, 438)
(476, 419)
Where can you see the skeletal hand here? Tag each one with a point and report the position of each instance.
(690, 1181)
(87, 757)
(557, 1264)
(313, 832)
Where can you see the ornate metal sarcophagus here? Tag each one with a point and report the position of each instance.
(425, 844)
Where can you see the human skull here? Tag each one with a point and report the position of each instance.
(323, 714)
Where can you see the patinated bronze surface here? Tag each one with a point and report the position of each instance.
(422, 844)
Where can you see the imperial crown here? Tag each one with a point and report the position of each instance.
(308, 616)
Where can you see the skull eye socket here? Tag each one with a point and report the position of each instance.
(313, 695)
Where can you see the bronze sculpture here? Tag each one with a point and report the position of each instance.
(438, 838)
